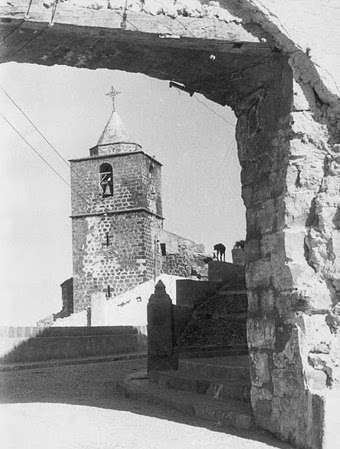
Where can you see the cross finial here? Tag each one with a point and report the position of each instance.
(113, 94)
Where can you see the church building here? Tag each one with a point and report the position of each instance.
(117, 222)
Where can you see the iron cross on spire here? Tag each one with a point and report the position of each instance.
(113, 94)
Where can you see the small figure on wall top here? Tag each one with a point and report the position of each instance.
(239, 244)
(220, 251)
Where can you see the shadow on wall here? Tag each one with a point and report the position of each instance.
(32, 344)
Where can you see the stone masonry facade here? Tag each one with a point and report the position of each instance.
(117, 230)
(182, 257)
(136, 184)
(114, 235)
(126, 262)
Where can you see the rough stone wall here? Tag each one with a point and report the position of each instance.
(134, 184)
(292, 248)
(115, 148)
(125, 263)
(113, 237)
(291, 192)
(185, 260)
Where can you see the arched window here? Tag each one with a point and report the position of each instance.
(106, 180)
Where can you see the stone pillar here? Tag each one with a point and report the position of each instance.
(290, 186)
(237, 255)
(161, 331)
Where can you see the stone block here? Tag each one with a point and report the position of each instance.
(282, 278)
(272, 243)
(238, 256)
(252, 250)
(223, 272)
(263, 409)
(261, 302)
(252, 231)
(286, 380)
(259, 368)
(258, 274)
(261, 333)
(298, 207)
(266, 217)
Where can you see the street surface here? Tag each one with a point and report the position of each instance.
(79, 407)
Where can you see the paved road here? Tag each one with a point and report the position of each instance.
(69, 407)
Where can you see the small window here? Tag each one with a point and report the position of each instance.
(106, 180)
(151, 169)
(163, 249)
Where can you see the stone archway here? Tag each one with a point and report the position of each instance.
(288, 145)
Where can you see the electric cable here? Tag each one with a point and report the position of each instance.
(214, 112)
(39, 33)
(41, 157)
(46, 140)
(12, 31)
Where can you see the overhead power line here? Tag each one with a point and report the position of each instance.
(39, 33)
(46, 140)
(214, 112)
(41, 157)
(12, 31)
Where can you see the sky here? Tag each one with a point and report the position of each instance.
(190, 136)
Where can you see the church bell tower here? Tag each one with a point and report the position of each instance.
(116, 214)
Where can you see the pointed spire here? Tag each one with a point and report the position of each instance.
(115, 131)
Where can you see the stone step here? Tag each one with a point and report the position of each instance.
(218, 368)
(225, 414)
(212, 351)
(209, 387)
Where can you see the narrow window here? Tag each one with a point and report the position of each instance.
(106, 180)
(163, 249)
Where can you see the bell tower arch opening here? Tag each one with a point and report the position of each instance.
(106, 179)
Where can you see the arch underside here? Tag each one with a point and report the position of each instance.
(220, 60)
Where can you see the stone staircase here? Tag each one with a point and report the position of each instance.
(221, 378)
(216, 389)
(213, 378)
(220, 322)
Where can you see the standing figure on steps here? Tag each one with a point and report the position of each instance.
(220, 250)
